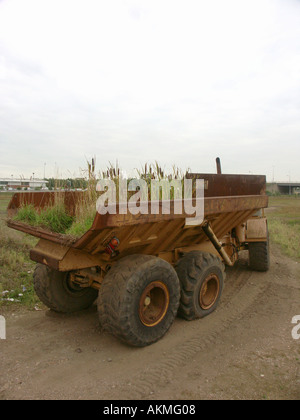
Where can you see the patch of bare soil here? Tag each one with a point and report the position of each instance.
(244, 350)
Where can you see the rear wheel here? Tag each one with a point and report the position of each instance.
(56, 291)
(202, 278)
(138, 299)
(259, 256)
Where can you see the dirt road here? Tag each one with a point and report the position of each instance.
(244, 350)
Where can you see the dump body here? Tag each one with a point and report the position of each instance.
(143, 269)
(230, 201)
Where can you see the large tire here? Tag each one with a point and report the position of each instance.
(259, 256)
(138, 299)
(201, 276)
(55, 291)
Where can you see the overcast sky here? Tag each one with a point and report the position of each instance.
(177, 81)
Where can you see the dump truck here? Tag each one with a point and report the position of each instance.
(145, 269)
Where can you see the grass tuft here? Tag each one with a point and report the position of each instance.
(54, 218)
(27, 214)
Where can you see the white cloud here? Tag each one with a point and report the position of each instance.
(175, 81)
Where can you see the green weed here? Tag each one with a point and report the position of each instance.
(55, 218)
(16, 268)
(27, 214)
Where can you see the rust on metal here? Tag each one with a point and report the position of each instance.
(219, 169)
(209, 292)
(216, 243)
(256, 229)
(63, 258)
(42, 199)
(154, 303)
(222, 185)
(230, 201)
(87, 278)
(40, 232)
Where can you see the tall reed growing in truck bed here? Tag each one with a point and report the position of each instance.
(55, 216)
(85, 209)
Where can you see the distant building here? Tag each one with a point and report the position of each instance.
(287, 188)
(10, 184)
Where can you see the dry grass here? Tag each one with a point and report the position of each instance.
(284, 224)
(15, 266)
(85, 211)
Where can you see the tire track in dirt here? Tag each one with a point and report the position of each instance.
(241, 296)
(246, 293)
(236, 277)
(252, 319)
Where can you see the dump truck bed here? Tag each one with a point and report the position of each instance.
(230, 200)
(144, 269)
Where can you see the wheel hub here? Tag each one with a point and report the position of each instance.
(209, 291)
(154, 303)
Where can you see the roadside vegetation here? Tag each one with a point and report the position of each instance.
(16, 269)
(284, 224)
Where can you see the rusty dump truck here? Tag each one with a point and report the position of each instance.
(145, 269)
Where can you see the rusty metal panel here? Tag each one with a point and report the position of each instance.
(222, 185)
(212, 205)
(104, 225)
(48, 253)
(41, 233)
(230, 200)
(256, 229)
(62, 258)
(42, 199)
